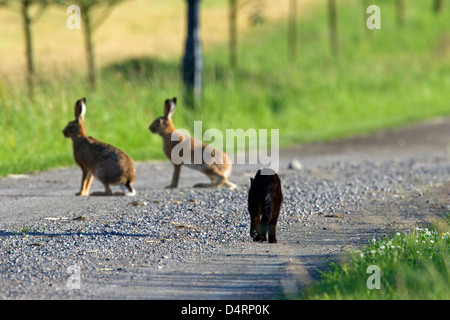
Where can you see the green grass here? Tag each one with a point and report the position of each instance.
(413, 265)
(382, 78)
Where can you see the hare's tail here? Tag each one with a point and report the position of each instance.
(128, 190)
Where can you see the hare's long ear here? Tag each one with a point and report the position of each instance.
(80, 109)
(169, 107)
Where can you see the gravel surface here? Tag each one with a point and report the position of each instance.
(194, 243)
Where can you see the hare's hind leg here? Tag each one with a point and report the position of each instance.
(230, 184)
(216, 181)
(107, 192)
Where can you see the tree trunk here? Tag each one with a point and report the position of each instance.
(292, 32)
(438, 5)
(28, 46)
(89, 47)
(233, 32)
(332, 19)
(400, 6)
(193, 59)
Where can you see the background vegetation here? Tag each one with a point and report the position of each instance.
(379, 78)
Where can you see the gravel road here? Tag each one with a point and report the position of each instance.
(194, 243)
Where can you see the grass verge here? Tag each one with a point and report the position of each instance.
(412, 265)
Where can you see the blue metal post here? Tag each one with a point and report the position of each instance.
(193, 60)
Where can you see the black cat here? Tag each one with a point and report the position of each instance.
(264, 203)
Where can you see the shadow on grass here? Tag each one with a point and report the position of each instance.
(151, 68)
(142, 67)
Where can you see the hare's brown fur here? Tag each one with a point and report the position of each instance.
(108, 164)
(218, 173)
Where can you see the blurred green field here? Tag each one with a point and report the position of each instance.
(382, 78)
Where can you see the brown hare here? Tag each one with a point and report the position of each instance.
(108, 164)
(217, 171)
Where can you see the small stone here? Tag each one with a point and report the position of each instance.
(295, 165)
